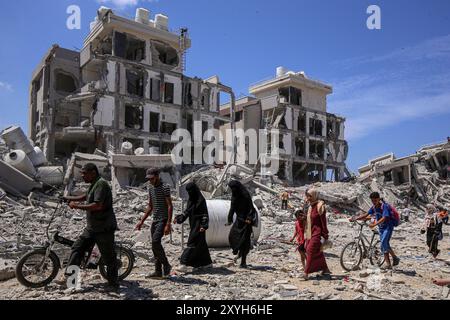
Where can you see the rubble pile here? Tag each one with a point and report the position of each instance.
(274, 271)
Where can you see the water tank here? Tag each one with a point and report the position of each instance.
(102, 11)
(142, 16)
(15, 138)
(53, 176)
(139, 151)
(127, 148)
(162, 22)
(19, 160)
(37, 157)
(281, 71)
(217, 234)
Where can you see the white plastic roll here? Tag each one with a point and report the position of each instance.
(19, 160)
(217, 234)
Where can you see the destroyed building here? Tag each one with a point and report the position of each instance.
(126, 85)
(417, 178)
(311, 142)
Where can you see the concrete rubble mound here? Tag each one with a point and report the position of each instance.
(409, 182)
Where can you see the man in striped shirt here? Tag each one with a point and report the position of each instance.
(160, 205)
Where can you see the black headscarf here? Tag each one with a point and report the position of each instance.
(195, 196)
(196, 206)
(238, 191)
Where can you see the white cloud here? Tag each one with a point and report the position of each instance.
(428, 50)
(6, 86)
(411, 83)
(124, 3)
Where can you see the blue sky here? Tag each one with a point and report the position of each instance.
(392, 85)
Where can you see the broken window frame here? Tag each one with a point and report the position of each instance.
(188, 99)
(315, 127)
(169, 92)
(166, 148)
(316, 171)
(137, 115)
(135, 86)
(205, 127)
(205, 100)
(190, 123)
(155, 90)
(300, 144)
(238, 116)
(281, 142)
(155, 125)
(314, 151)
(105, 46)
(127, 47)
(58, 82)
(301, 122)
(168, 127)
(292, 95)
(163, 52)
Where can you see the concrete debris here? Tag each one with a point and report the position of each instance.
(275, 271)
(6, 270)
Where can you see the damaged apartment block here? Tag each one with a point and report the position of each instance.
(311, 142)
(125, 86)
(125, 94)
(415, 177)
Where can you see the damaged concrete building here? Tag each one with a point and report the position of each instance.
(126, 85)
(415, 178)
(311, 142)
(125, 93)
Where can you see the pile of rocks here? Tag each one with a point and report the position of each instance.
(275, 271)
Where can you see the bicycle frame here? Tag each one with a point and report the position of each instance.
(49, 245)
(362, 240)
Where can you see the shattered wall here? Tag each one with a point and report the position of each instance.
(128, 86)
(57, 76)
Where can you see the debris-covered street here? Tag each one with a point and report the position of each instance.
(274, 266)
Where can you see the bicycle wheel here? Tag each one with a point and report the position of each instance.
(125, 263)
(351, 256)
(376, 257)
(35, 270)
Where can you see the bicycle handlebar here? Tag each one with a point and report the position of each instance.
(360, 222)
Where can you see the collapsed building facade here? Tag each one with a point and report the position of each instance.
(416, 179)
(126, 85)
(311, 142)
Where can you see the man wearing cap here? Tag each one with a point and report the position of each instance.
(101, 222)
(160, 205)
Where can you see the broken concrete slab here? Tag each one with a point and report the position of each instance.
(7, 270)
(15, 182)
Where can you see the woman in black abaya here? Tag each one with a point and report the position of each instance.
(241, 231)
(197, 253)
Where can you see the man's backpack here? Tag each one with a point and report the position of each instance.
(395, 216)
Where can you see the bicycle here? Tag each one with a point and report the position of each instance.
(361, 248)
(39, 267)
